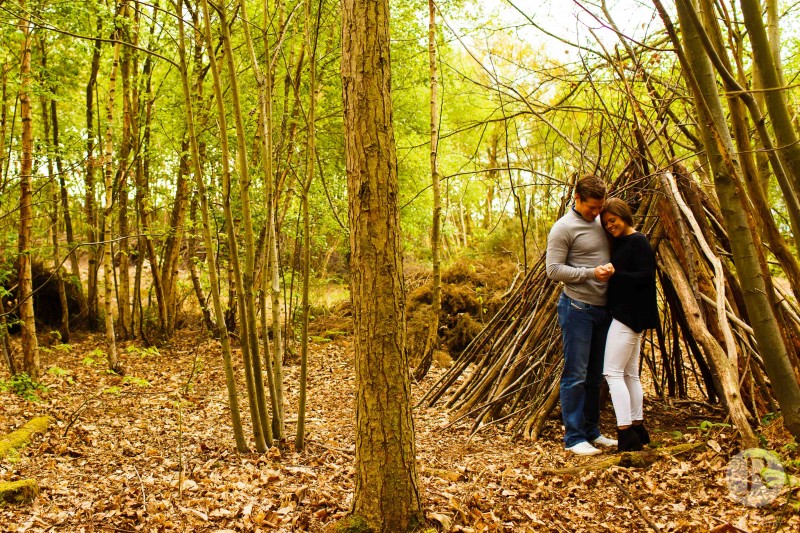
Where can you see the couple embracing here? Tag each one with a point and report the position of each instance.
(609, 299)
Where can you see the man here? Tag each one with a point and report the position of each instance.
(578, 256)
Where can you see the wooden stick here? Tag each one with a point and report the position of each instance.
(635, 504)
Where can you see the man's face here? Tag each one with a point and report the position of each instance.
(590, 208)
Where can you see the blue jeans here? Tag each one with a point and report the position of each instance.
(584, 329)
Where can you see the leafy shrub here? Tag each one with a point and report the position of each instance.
(22, 385)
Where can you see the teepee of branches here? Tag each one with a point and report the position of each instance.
(510, 372)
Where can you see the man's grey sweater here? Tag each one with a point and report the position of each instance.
(575, 247)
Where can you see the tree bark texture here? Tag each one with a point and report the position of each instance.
(230, 381)
(90, 205)
(30, 345)
(386, 493)
(108, 175)
(747, 257)
(770, 79)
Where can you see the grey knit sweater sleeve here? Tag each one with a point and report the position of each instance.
(575, 247)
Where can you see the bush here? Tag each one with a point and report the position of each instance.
(22, 385)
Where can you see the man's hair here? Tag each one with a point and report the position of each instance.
(590, 186)
(618, 207)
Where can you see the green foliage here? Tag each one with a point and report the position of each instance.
(95, 357)
(134, 380)
(22, 385)
(148, 351)
(57, 371)
(706, 426)
(113, 390)
(66, 348)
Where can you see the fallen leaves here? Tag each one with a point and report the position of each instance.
(162, 458)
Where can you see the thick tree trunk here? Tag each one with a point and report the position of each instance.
(30, 345)
(711, 37)
(386, 493)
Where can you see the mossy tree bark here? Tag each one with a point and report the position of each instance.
(386, 493)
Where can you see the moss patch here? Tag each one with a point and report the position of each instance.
(22, 436)
(353, 524)
(16, 492)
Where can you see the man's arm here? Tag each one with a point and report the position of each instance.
(558, 243)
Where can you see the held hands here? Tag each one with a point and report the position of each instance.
(603, 272)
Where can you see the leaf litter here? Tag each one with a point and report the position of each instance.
(154, 452)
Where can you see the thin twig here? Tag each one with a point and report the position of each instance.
(141, 483)
(633, 501)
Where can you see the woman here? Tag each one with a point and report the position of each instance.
(633, 307)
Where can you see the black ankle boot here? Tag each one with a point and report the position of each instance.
(641, 432)
(628, 440)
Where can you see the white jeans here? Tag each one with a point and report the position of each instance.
(621, 369)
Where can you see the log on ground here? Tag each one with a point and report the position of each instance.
(641, 459)
(17, 492)
(22, 436)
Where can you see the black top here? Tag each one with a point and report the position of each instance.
(632, 288)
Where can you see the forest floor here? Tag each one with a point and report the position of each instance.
(153, 451)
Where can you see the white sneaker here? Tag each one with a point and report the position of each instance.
(604, 441)
(583, 448)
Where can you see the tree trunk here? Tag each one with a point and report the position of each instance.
(172, 246)
(143, 206)
(30, 345)
(737, 100)
(774, 94)
(64, 198)
(431, 340)
(386, 493)
(90, 208)
(311, 35)
(125, 320)
(747, 257)
(271, 196)
(5, 345)
(255, 396)
(230, 380)
(724, 371)
(63, 329)
(108, 177)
